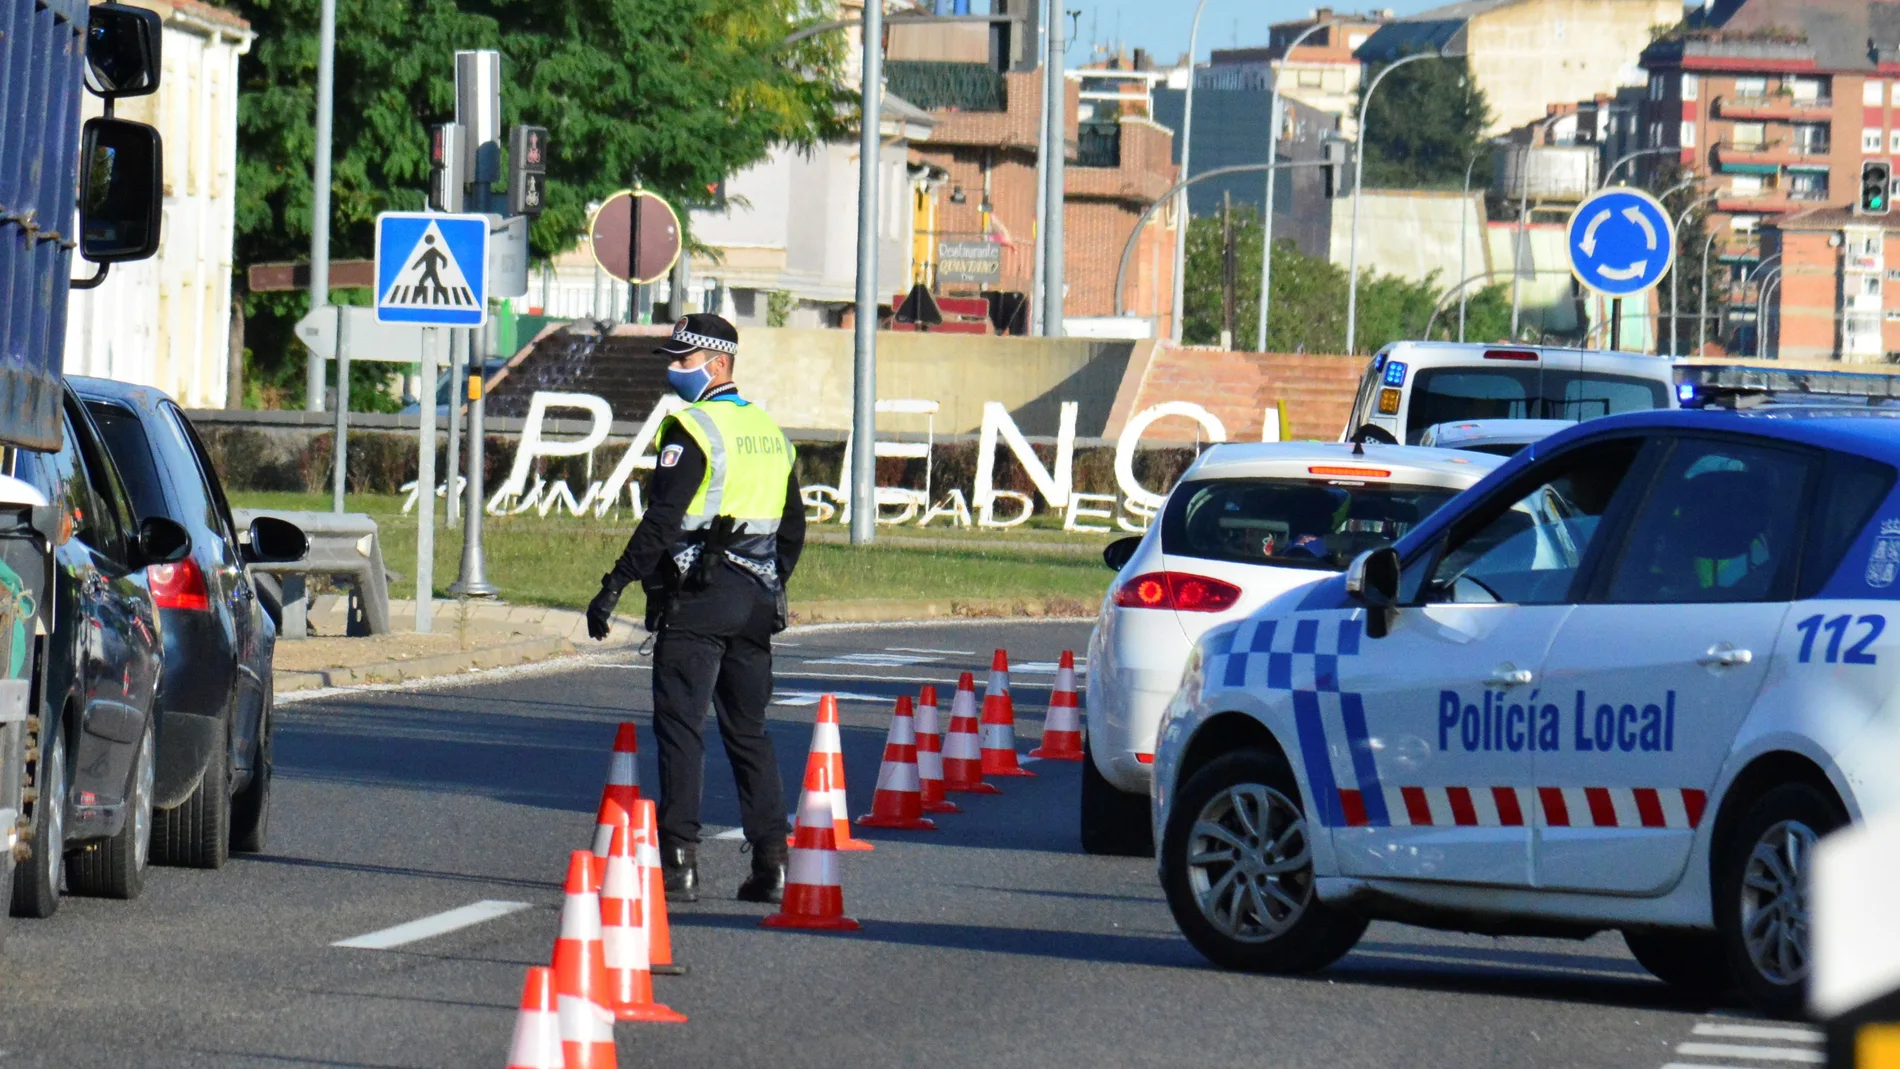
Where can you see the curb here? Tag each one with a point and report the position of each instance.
(442, 664)
(896, 611)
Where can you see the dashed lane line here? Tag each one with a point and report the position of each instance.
(1762, 1054)
(913, 649)
(430, 927)
(1757, 1031)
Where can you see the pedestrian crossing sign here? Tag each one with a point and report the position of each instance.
(432, 269)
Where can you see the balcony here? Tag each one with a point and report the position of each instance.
(1098, 145)
(1776, 153)
(935, 86)
(1773, 106)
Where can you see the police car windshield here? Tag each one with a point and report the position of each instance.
(1454, 394)
(1297, 523)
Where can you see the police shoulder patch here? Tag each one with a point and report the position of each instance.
(671, 455)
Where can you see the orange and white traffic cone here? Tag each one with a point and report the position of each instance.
(962, 753)
(814, 895)
(827, 755)
(646, 845)
(537, 1043)
(623, 935)
(899, 802)
(930, 755)
(622, 789)
(999, 723)
(1062, 725)
(580, 973)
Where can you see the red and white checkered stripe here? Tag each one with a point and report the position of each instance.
(1549, 807)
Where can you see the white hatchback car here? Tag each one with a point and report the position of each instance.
(1245, 523)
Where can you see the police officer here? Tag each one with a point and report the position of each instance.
(722, 532)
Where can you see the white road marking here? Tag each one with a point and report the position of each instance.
(1023, 759)
(938, 680)
(912, 649)
(1756, 1031)
(1707, 1065)
(731, 833)
(1765, 1054)
(810, 697)
(1047, 668)
(429, 927)
(879, 660)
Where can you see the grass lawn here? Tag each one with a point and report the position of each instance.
(558, 559)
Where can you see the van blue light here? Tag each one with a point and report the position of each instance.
(1395, 373)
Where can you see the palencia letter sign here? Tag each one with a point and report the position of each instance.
(983, 506)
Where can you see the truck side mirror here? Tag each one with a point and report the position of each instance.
(1372, 579)
(120, 186)
(122, 50)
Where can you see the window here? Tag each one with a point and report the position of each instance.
(124, 437)
(1808, 185)
(1808, 90)
(1751, 87)
(1871, 139)
(1655, 87)
(1584, 395)
(1448, 395)
(1308, 79)
(1748, 136)
(1745, 185)
(1354, 40)
(1893, 142)
(96, 522)
(1811, 139)
(1721, 524)
(1690, 86)
(1851, 489)
(1744, 224)
(1687, 137)
(1655, 135)
(1530, 552)
(1873, 93)
(1300, 523)
(220, 507)
(1870, 286)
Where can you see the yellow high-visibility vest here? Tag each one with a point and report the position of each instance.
(748, 465)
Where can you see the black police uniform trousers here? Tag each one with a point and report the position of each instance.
(715, 648)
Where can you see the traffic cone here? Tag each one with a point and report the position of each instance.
(999, 723)
(962, 758)
(899, 802)
(622, 788)
(930, 755)
(623, 936)
(1062, 724)
(827, 754)
(814, 897)
(580, 973)
(537, 1042)
(646, 844)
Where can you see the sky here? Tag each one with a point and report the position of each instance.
(1161, 26)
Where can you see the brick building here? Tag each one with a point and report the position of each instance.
(1322, 73)
(1828, 296)
(984, 145)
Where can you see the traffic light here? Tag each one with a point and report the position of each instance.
(1337, 173)
(448, 178)
(1876, 187)
(527, 170)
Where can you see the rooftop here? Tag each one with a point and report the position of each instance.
(1832, 35)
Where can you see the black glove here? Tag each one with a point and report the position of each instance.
(601, 610)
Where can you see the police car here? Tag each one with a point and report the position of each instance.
(1623, 683)
(1245, 523)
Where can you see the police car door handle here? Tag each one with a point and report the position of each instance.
(1506, 676)
(1724, 655)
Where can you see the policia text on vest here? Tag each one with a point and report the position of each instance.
(719, 540)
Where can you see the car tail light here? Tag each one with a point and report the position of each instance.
(179, 586)
(1508, 354)
(1177, 590)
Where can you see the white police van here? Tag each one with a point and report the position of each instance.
(1623, 683)
(1410, 386)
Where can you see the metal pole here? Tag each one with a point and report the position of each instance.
(1358, 176)
(473, 580)
(425, 486)
(1702, 320)
(1464, 217)
(1055, 119)
(1181, 208)
(458, 369)
(864, 387)
(1610, 175)
(320, 194)
(1616, 325)
(340, 463)
(1273, 156)
(1042, 193)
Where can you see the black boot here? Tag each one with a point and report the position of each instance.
(679, 867)
(767, 882)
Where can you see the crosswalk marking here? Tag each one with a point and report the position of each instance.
(429, 927)
(879, 660)
(1756, 1031)
(1766, 1054)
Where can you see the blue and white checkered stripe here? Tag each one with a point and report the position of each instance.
(1302, 656)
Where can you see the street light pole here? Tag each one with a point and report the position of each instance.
(1042, 192)
(1675, 286)
(1181, 208)
(1464, 219)
(320, 195)
(1610, 175)
(1358, 176)
(1523, 219)
(1054, 120)
(1702, 320)
(1273, 156)
(864, 368)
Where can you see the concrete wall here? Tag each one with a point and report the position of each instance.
(1412, 233)
(1529, 54)
(1238, 389)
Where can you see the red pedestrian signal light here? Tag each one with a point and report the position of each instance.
(1876, 187)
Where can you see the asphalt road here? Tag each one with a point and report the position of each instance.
(992, 942)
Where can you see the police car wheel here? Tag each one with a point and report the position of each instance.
(1113, 822)
(1237, 866)
(1761, 894)
(1690, 962)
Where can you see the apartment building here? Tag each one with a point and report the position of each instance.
(1775, 103)
(1321, 73)
(1827, 291)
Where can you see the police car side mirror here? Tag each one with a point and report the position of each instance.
(1372, 579)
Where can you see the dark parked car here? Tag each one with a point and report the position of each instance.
(95, 760)
(214, 695)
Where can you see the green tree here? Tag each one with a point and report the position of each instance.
(1308, 313)
(677, 94)
(1424, 126)
(1691, 208)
